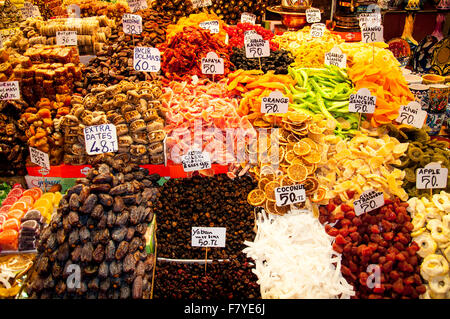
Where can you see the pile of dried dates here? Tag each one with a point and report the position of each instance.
(134, 108)
(100, 227)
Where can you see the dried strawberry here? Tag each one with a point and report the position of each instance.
(340, 240)
(350, 194)
(374, 229)
(346, 208)
(331, 207)
(337, 248)
(333, 231)
(357, 221)
(388, 236)
(398, 286)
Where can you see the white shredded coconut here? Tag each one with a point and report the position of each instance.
(294, 259)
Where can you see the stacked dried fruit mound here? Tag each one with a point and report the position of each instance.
(92, 8)
(216, 201)
(378, 257)
(114, 62)
(289, 156)
(278, 61)
(134, 108)
(367, 161)
(431, 232)
(309, 52)
(376, 68)
(231, 279)
(421, 151)
(231, 11)
(236, 34)
(174, 9)
(181, 55)
(203, 115)
(99, 227)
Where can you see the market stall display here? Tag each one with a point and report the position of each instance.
(92, 8)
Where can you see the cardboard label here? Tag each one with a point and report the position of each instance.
(212, 64)
(317, 30)
(9, 90)
(132, 23)
(412, 114)
(201, 3)
(212, 26)
(100, 139)
(292, 194)
(275, 103)
(208, 236)
(368, 201)
(336, 57)
(195, 160)
(313, 15)
(248, 18)
(256, 46)
(362, 102)
(66, 38)
(146, 59)
(39, 158)
(29, 10)
(372, 34)
(431, 176)
(136, 5)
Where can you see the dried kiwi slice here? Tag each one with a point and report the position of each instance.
(415, 153)
(441, 144)
(410, 175)
(405, 163)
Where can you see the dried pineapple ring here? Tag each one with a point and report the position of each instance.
(447, 253)
(418, 221)
(446, 222)
(439, 284)
(434, 295)
(437, 230)
(418, 232)
(435, 265)
(443, 245)
(440, 201)
(432, 213)
(426, 243)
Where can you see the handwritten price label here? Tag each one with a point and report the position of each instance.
(136, 5)
(29, 10)
(431, 176)
(132, 23)
(100, 139)
(39, 158)
(212, 26)
(369, 20)
(208, 236)
(66, 38)
(9, 90)
(372, 34)
(313, 15)
(73, 11)
(336, 57)
(248, 18)
(256, 46)
(412, 114)
(368, 201)
(362, 102)
(146, 59)
(201, 3)
(212, 64)
(287, 195)
(275, 103)
(195, 160)
(317, 30)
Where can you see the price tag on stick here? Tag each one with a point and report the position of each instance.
(317, 30)
(66, 38)
(336, 57)
(275, 103)
(201, 3)
(212, 26)
(431, 176)
(248, 18)
(136, 5)
(208, 236)
(212, 64)
(132, 23)
(292, 194)
(146, 59)
(100, 139)
(9, 90)
(372, 34)
(256, 46)
(29, 10)
(313, 15)
(195, 160)
(39, 158)
(362, 102)
(412, 114)
(368, 201)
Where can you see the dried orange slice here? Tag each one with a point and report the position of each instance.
(281, 210)
(259, 122)
(297, 117)
(286, 181)
(297, 172)
(313, 157)
(270, 207)
(256, 197)
(310, 142)
(263, 182)
(302, 148)
(319, 195)
(313, 128)
(293, 139)
(269, 190)
(298, 160)
(311, 168)
(290, 156)
(311, 184)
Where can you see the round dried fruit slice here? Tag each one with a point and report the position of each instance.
(313, 128)
(297, 172)
(256, 197)
(293, 139)
(311, 184)
(310, 142)
(269, 190)
(302, 148)
(290, 156)
(297, 117)
(286, 181)
(270, 207)
(311, 168)
(263, 182)
(281, 210)
(319, 195)
(312, 157)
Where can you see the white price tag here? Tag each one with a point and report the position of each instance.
(212, 64)
(433, 175)
(208, 236)
(369, 20)
(336, 57)
(136, 5)
(412, 114)
(275, 103)
(368, 201)
(201, 3)
(66, 38)
(212, 26)
(73, 11)
(132, 23)
(317, 30)
(292, 194)
(29, 10)
(313, 15)
(256, 46)
(362, 102)
(146, 59)
(248, 18)
(100, 139)
(39, 158)
(195, 160)
(9, 90)
(372, 34)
